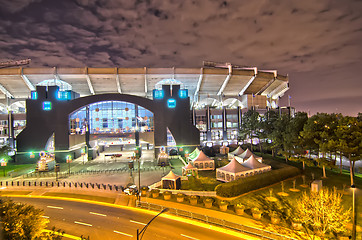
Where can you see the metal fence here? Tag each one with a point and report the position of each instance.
(260, 233)
(63, 184)
(88, 172)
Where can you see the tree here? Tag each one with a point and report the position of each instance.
(349, 140)
(318, 213)
(267, 127)
(279, 136)
(25, 222)
(250, 123)
(4, 152)
(322, 212)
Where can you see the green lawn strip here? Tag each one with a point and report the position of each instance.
(17, 168)
(80, 196)
(14, 192)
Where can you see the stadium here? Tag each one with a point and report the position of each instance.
(77, 110)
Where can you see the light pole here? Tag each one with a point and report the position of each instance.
(354, 217)
(140, 233)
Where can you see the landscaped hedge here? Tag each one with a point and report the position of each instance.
(243, 185)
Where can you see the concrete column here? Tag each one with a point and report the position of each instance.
(208, 124)
(224, 124)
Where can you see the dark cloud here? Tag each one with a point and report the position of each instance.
(316, 42)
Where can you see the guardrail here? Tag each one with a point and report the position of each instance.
(260, 233)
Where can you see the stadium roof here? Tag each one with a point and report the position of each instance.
(219, 83)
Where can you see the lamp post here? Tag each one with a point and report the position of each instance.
(142, 232)
(354, 217)
(3, 164)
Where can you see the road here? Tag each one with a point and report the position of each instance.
(105, 222)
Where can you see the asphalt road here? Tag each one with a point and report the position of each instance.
(104, 222)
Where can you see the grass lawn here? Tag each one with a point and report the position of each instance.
(17, 169)
(334, 179)
(81, 196)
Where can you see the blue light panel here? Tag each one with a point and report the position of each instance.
(47, 106)
(158, 94)
(63, 95)
(183, 93)
(34, 95)
(171, 103)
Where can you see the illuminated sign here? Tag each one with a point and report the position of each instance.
(171, 103)
(34, 95)
(158, 94)
(183, 93)
(63, 95)
(47, 106)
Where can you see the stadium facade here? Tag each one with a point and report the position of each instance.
(67, 110)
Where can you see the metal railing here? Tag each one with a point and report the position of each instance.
(63, 184)
(260, 233)
(88, 172)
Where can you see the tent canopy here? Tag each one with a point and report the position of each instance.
(254, 164)
(189, 166)
(198, 156)
(171, 176)
(234, 167)
(237, 151)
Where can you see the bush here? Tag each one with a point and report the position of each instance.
(243, 185)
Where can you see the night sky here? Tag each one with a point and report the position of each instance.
(317, 42)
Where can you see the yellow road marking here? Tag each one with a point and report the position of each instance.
(63, 234)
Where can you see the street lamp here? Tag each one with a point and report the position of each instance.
(142, 232)
(354, 217)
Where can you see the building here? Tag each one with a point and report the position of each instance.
(102, 107)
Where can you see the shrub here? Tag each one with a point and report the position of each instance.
(243, 185)
(180, 195)
(239, 206)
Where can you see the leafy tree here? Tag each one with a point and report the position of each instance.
(250, 123)
(349, 140)
(359, 117)
(279, 136)
(318, 213)
(267, 127)
(304, 160)
(323, 212)
(24, 222)
(4, 152)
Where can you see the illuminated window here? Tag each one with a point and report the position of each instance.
(158, 94)
(47, 106)
(183, 93)
(34, 95)
(171, 103)
(63, 95)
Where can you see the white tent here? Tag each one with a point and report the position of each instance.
(256, 165)
(171, 181)
(201, 161)
(232, 171)
(189, 169)
(236, 152)
(246, 155)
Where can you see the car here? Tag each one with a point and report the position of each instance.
(131, 190)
